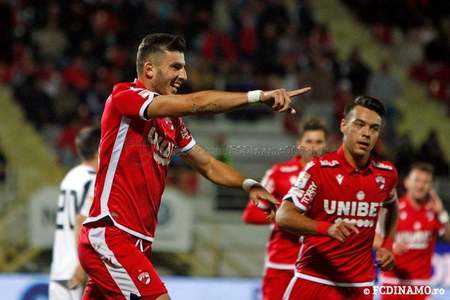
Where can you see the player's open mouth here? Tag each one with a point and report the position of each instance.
(175, 85)
(364, 145)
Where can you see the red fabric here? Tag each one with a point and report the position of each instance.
(330, 190)
(418, 228)
(305, 289)
(124, 258)
(275, 282)
(134, 157)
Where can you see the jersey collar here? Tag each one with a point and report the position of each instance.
(348, 167)
(139, 84)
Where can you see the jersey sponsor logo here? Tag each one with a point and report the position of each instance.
(353, 208)
(339, 178)
(288, 169)
(417, 239)
(163, 149)
(381, 165)
(329, 163)
(144, 277)
(302, 180)
(380, 181)
(310, 193)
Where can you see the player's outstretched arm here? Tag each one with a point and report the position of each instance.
(212, 102)
(222, 174)
(290, 219)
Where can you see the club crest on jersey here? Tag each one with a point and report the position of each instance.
(380, 180)
(329, 163)
(360, 195)
(144, 277)
(339, 178)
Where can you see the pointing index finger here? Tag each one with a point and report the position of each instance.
(298, 92)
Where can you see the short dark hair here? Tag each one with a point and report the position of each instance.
(367, 102)
(87, 142)
(422, 166)
(313, 124)
(157, 42)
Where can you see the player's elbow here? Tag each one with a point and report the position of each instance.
(282, 218)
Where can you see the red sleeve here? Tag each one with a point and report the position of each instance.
(305, 189)
(132, 102)
(254, 215)
(184, 139)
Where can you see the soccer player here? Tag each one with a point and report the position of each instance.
(422, 217)
(141, 128)
(282, 247)
(76, 191)
(335, 204)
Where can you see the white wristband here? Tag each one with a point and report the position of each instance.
(443, 217)
(254, 96)
(249, 183)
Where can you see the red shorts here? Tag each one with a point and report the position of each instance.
(275, 283)
(300, 288)
(118, 265)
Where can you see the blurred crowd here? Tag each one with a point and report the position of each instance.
(423, 28)
(63, 57)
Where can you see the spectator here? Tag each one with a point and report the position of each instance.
(431, 151)
(357, 71)
(404, 154)
(386, 87)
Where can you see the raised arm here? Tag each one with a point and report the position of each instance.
(222, 174)
(207, 102)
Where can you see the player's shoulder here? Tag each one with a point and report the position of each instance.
(327, 161)
(384, 166)
(290, 166)
(80, 173)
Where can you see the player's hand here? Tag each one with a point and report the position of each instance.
(385, 259)
(263, 199)
(342, 230)
(280, 100)
(77, 279)
(399, 247)
(436, 202)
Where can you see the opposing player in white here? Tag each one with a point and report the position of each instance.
(76, 193)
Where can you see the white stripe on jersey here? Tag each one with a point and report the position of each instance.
(115, 269)
(74, 189)
(112, 166)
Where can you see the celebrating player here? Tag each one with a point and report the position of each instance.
(141, 129)
(335, 204)
(282, 247)
(421, 218)
(76, 192)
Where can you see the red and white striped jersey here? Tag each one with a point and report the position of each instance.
(134, 156)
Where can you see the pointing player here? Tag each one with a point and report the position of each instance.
(141, 129)
(335, 204)
(421, 218)
(76, 191)
(282, 247)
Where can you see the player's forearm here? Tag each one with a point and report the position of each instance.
(205, 102)
(224, 175)
(288, 218)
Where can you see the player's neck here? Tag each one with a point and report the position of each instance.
(147, 84)
(358, 162)
(416, 203)
(93, 163)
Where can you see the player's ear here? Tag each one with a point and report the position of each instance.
(148, 70)
(343, 124)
